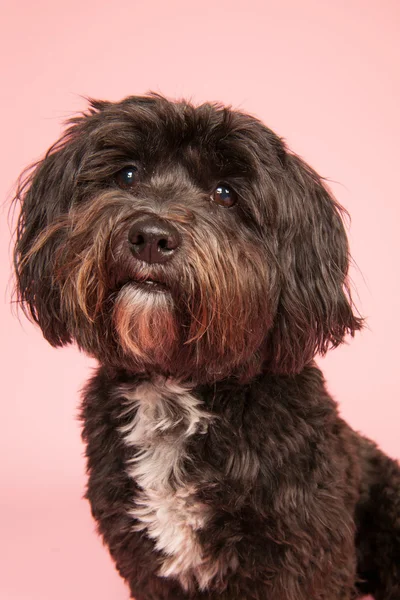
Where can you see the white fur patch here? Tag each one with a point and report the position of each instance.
(166, 416)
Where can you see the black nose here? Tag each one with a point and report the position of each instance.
(153, 240)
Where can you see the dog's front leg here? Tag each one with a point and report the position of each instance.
(378, 524)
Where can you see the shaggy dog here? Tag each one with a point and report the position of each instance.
(204, 265)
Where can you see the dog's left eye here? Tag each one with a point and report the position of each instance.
(127, 177)
(224, 195)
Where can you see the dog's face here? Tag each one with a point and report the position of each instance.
(184, 240)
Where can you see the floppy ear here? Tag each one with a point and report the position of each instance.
(44, 192)
(315, 309)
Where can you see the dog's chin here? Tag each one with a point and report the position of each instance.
(145, 322)
(153, 330)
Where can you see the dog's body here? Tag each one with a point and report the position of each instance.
(244, 492)
(204, 266)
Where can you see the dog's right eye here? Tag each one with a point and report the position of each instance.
(224, 196)
(127, 177)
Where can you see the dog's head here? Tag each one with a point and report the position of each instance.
(185, 240)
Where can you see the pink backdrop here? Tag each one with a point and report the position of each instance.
(322, 74)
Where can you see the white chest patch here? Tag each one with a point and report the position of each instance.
(166, 415)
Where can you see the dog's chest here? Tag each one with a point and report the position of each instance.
(164, 416)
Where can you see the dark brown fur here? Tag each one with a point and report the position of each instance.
(307, 507)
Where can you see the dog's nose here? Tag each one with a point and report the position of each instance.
(153, 240)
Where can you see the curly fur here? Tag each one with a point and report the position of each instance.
(218, 465)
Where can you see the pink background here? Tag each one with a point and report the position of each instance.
(322, 74)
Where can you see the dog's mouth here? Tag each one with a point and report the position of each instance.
(151, 285)
(147, 284)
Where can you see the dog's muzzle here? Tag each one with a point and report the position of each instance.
(153, 240)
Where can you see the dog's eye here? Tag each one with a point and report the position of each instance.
(224, 196)
(127, 177)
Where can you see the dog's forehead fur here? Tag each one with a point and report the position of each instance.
(160, 127)
(208, 143)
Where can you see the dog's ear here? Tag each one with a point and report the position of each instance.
(315, 310)
(44, 192)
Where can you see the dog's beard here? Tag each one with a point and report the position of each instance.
(145, 324)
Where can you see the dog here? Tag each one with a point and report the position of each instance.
(205, 265)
